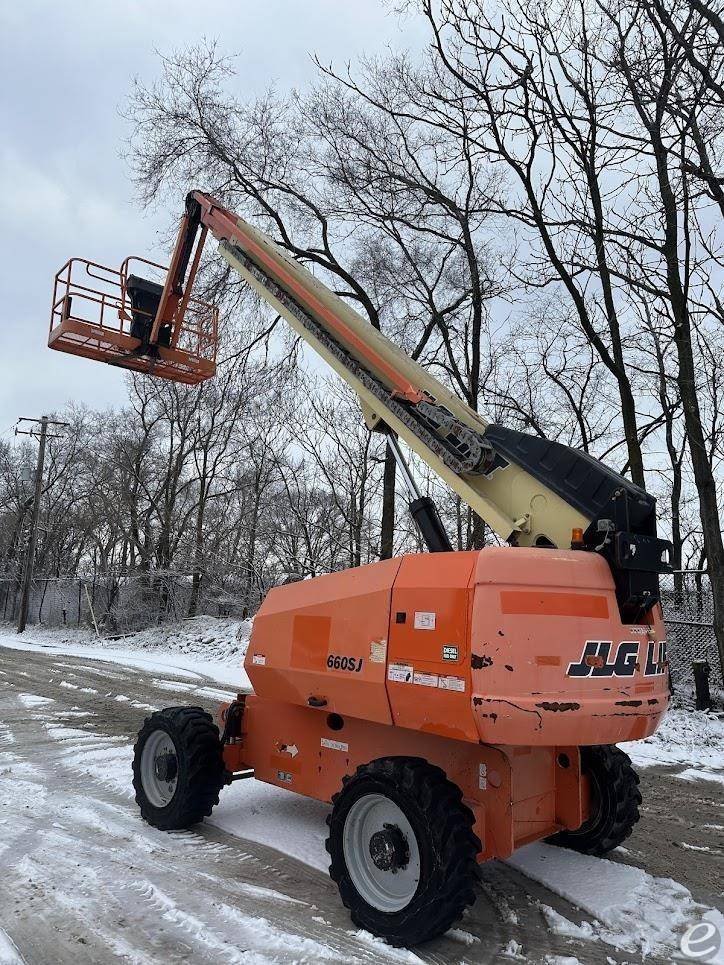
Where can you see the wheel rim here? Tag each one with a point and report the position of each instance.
(381, 853)
(159, 768)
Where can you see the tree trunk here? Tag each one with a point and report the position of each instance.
(198, 559)
(251, 549)
(676, 532)
(705, 485)
(477, 539)
(703, 472)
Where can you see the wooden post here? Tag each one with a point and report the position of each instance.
(33, 538)
(701, 671)
(44, 422)
(92, 613)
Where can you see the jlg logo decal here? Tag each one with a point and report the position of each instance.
(598, 660)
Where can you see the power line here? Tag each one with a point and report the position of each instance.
(42, 435)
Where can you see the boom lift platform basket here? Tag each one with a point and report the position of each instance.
(120, 317)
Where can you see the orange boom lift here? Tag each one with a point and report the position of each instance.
(451, 706)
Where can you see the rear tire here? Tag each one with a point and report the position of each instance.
(178, 767)
(615, 801)
(402, 848)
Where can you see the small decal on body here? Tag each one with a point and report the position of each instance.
(424, 620)
(284, 776)
(259, 659)
(334, 745)
(483, 777)
(449, 652)
(378, 651)
(452, 683)
(400, 672)
(426, 679)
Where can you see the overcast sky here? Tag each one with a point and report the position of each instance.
(65, 71)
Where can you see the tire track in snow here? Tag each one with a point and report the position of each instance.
(90, 846)
(89, 820)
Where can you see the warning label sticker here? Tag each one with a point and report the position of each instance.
(378, 651)
(258, 658)
(483, 777)
(424, 621)
(426, 679)
(449, 652)
(452, 683)
(334, 745)
(400, 672)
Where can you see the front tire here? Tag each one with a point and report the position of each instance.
(178, 767)
(402, 849)
(615, 801)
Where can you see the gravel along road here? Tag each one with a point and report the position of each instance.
(85, 880)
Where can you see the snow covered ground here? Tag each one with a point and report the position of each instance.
(202, 646)
(631, 910)
(69, 705)
(692, 743)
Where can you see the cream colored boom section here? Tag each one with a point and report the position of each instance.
(510, 500)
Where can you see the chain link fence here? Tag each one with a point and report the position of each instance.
(688, 606)
(114, 603)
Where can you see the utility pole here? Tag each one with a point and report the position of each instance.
(33, 536)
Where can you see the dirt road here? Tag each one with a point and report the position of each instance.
(85, 880)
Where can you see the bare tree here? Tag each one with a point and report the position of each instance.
(656, 82)
(594, 111)
(343, 452)
(353, 180)
(256, 157)
(539, 111)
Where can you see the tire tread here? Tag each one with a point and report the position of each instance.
(197, 738)
(614, 771)
(454, 842)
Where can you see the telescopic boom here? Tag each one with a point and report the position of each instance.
(530, 490)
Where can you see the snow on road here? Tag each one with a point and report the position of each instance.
(631, 909)
(32, 700)
(688, 740)
(79, 868)
(9, 954)
(269, 815)
(626, 913)
(103, 757)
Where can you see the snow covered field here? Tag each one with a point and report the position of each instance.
(251, 884)
(203, 646)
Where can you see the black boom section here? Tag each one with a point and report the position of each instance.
(581, 480)
(622, 516)
(424, 512)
